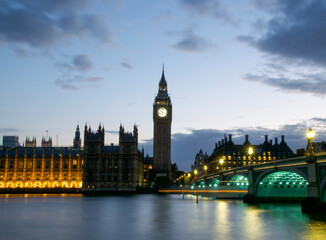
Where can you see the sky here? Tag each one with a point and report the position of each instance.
(232, 67)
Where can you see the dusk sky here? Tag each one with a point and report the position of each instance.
(233, 67)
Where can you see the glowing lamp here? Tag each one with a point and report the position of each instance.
(251, 151)
(310, 134)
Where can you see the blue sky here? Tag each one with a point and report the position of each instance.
(233, 67)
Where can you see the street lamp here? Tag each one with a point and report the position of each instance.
(310, 136)
(221, 162)
(195, 172)
(205, 168)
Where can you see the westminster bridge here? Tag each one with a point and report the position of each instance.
(293, 178)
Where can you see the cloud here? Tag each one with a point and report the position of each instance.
(77, 82)
(126, 64)
(112, 132)
(82, 62)
(186, 145)
(296, 31)
(191, 42)
(211, 8)
(314, 83)
(44, 23)
(8, 130)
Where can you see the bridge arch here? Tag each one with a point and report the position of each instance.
(239, 180)
(213, 182)
(267, 172)
(201, 184)
(235, 175)
(323, 190)
(281, 184)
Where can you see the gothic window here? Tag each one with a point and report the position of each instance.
(38, 164)
(20, 163)
(2, 164)
(30, 164)
(127, 148)
(47, 164)
(74, 163)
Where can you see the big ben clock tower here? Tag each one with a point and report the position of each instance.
(162, 117)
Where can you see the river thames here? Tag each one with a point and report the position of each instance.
(80, 217)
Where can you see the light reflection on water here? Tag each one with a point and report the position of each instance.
(150, 217)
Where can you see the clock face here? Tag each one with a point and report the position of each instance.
(162, 112)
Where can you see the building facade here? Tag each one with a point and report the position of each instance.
(38, 167)
(162, 117)
(112, 168)
(96, 167)
(238, 155)
(148, 171)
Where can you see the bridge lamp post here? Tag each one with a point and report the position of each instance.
(250, 151)
(205, 168)
(186, 179)
(313, 202)
(221, 163)
(310, 136)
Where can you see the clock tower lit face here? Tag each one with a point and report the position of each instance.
(162, 112)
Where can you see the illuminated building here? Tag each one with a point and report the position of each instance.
(38, 167)
(200, 161)
(148, 171)
(234, 155)
(108, 168)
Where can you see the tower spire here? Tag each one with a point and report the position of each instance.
(163, 81)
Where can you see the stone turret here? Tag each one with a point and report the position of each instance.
(46, 142)
(77, 139)
(30, 143)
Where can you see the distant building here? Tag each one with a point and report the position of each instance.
(237, 155)
(46, 142)
(30, 143)
(318, 146)
(10, 141)
(77, 139)
(201, 160)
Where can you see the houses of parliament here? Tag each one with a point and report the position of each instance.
(95, 166)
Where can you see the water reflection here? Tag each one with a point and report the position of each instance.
(151, 217)
(223, 224)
